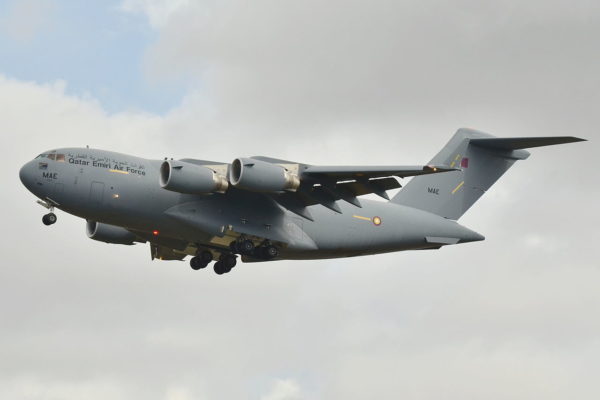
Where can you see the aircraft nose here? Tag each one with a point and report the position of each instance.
(26, 175)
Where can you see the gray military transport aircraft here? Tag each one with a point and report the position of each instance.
(266, 209)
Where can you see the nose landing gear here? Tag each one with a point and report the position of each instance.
(50, 218)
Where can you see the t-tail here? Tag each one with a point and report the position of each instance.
(480, 159)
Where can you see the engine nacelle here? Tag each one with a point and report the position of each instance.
(260, 176)
(109, 233)
(183, 177)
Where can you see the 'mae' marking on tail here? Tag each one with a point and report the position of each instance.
(482, 159)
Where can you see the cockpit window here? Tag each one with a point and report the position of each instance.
(53, 156)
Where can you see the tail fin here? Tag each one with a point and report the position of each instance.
(482, 159)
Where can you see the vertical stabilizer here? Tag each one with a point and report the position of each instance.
(482, 159)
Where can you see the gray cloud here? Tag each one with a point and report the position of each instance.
(346, 82)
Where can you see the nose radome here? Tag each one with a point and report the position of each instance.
(26, 175)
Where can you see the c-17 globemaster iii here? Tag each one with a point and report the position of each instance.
(266, 209)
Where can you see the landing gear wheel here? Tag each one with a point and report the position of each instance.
(197, 263)
(246, 247)
(270, 252)
(219, 268)
(229, 261)
(206, 256)
(49, 219)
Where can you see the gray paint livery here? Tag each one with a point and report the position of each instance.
(267, 209)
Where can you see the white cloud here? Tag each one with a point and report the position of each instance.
(323, 83)
(158, 12)
(26, 18)
(285, 389)
(307, 66)
(35, 389)
(179, 393)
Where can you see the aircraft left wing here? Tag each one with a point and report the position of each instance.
(296, 186)
(358, 172)
(326, 185)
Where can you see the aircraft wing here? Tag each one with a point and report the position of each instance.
(326, 185)
(357, 172)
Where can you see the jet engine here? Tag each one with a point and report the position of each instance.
(183, 177)
(260, 176)
(109, 233)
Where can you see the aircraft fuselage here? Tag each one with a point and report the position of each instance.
(123, 190)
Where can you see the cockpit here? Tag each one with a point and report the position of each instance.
(52, 156)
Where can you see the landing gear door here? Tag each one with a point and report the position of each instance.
(96, 193)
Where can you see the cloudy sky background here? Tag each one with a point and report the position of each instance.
(380, 82)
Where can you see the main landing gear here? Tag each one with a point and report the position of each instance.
(228, 260)
(225, 264)
(201, 260)
(266, 251)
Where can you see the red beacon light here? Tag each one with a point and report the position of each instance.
(155, 232)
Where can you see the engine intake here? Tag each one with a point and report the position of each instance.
(183, 177)
(260, 176)
(109, 233)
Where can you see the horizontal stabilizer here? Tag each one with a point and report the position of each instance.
(523, 142)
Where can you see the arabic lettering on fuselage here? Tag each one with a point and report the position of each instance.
(106, 163)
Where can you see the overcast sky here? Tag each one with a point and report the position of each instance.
(325, 82)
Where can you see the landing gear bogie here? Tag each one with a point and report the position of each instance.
(269, 252)
(265, 251)
(228, 261)
(242, 246)
(197, 264)
(246, 247)
(201, 260)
